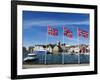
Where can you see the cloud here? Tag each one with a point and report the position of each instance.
(31, 23)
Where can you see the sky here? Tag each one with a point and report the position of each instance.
(35, 26)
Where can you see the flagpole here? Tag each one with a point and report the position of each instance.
(63, 48)
(78, 46)
(46, 45)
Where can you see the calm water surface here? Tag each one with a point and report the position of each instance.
(58, 58)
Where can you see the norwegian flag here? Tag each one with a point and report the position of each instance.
(52, 31)
(55, 32)
(49, 30)
(82, 33)
(68, 33)
(85, 34)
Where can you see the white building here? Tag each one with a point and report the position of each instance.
(74, 49)
(49, 48)
(39, 48)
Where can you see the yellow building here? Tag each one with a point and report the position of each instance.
(56, 49)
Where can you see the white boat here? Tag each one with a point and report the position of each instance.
(30, 57)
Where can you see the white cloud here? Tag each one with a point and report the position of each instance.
(30, 23)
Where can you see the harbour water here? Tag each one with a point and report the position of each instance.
(51, 58)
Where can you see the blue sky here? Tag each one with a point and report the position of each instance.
(35, 25)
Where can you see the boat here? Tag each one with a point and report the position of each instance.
(30, 57)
